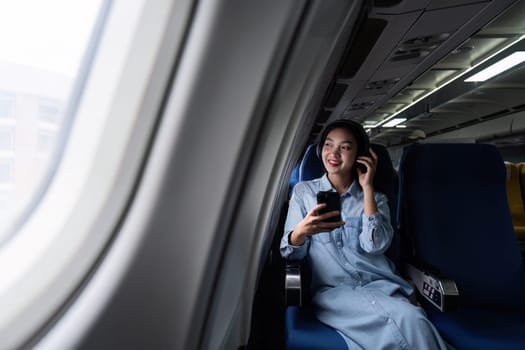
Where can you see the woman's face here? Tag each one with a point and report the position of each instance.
(339, 152)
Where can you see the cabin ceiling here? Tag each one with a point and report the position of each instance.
(409, 59)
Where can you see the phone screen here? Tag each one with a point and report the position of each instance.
(333, 202)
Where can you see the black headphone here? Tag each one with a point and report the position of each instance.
(355, 128)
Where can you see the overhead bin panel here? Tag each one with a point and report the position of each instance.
(391, 43)
(431, 30)
(393, 28)
(401, 7)
(398, 7)
(405, 53)
(369, 32)
(439, 4)
(518, 124)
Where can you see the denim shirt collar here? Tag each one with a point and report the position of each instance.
(325, 185)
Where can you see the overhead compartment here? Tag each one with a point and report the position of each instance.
(397, 42)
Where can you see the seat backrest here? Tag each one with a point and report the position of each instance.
(294, 179)
(514, 195)
(385, 181)
(521, 167)
(311, 166)
(455, 213)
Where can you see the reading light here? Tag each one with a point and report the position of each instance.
(394, 122)
(498, 67)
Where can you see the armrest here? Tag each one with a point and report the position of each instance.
(293, 283)
(440, 292)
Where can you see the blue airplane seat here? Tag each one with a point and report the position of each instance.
(386, 181)
(294, 178)
(455, 214)
(302, 329)
(311, 166)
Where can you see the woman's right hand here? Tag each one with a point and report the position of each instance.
(314, 223)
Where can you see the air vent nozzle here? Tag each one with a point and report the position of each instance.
(418, 47)
(381, 84)
(360, 106)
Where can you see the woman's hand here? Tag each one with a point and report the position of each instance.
(367, 179)
(314, 223)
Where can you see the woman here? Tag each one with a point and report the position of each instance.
(355, 289)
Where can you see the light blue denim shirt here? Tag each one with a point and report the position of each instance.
(351, 255)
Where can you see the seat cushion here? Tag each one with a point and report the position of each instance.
(480, 329)
(305, 332)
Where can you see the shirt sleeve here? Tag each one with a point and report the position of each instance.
(377, 231)
(296, 212)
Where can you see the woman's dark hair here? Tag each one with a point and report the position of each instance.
(355, 128)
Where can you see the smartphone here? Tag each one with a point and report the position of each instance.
(333, 202)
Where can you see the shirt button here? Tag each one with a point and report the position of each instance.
(373, 302)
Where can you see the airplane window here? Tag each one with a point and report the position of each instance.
(41, 51)
(82, 90)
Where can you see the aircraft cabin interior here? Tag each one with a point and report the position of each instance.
(144, 189)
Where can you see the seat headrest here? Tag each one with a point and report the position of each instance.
(463, 164)
(311, 167)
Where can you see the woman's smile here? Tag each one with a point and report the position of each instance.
(333, 162)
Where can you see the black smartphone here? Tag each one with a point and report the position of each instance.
(333, 202)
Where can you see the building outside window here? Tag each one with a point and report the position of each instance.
(7, 105)
(6, 175)
(49, 110)
(6, 139)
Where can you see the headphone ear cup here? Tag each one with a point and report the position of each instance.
(366, 144)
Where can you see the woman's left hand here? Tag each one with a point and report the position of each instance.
(366, 179)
